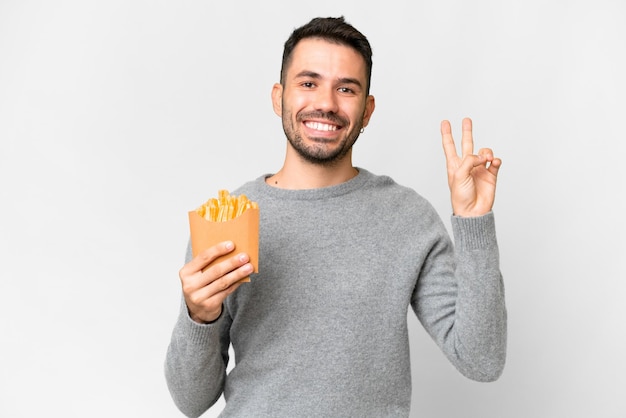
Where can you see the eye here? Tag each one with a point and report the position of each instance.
(308, 84)
(346, 90)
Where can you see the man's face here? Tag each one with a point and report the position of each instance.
(322, 101)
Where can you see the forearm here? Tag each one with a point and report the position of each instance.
(480, 320)
(195, 367)
(481, 310)
(463, 306)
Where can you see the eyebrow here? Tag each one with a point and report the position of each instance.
(317, 76)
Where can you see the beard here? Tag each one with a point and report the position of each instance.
(318, 152)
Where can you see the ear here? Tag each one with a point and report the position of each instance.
(277, 99)
(370, 104)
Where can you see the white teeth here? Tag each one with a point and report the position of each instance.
(321, 126)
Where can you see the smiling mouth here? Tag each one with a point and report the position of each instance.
(320, 126)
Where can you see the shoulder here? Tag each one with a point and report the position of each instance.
(252, 187)
(400, 200)
(387, 186)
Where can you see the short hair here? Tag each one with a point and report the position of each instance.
(332, 29)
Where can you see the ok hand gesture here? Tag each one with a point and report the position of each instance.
(472, 178)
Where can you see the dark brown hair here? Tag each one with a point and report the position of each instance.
(332, 29)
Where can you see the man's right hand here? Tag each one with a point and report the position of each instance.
(205, 288)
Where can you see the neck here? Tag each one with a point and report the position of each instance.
(300, 175)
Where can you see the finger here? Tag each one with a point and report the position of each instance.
(219, 286)
(230, 281)
(467, 139)
(469, 162)
(449, 148)
(487, 153)
(495, 165)
(205, 258)
(218, 278)
(224, 268)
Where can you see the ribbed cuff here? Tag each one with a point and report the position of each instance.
(474, 233)
(194, 332)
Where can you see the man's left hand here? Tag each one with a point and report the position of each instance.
(472, 178)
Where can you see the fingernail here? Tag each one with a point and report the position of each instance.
(229, 245)
(243, 257)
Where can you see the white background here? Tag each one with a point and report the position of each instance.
(118, 117)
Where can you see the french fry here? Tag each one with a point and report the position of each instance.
(225, 207)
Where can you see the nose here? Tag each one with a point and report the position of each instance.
(326, 100)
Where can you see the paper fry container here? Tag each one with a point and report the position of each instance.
(242, 230)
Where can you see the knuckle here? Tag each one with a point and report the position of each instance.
(223, 268)
(215, 272)
(187, 288)
(223, 285)
(205, 257)
(182, 274)
(195, 299)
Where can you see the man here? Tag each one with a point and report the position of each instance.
(321, 331)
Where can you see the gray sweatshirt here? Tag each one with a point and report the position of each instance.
(321, 330)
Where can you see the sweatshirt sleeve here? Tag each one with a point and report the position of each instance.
(195, 364)
(196, 360)
(460, 298)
